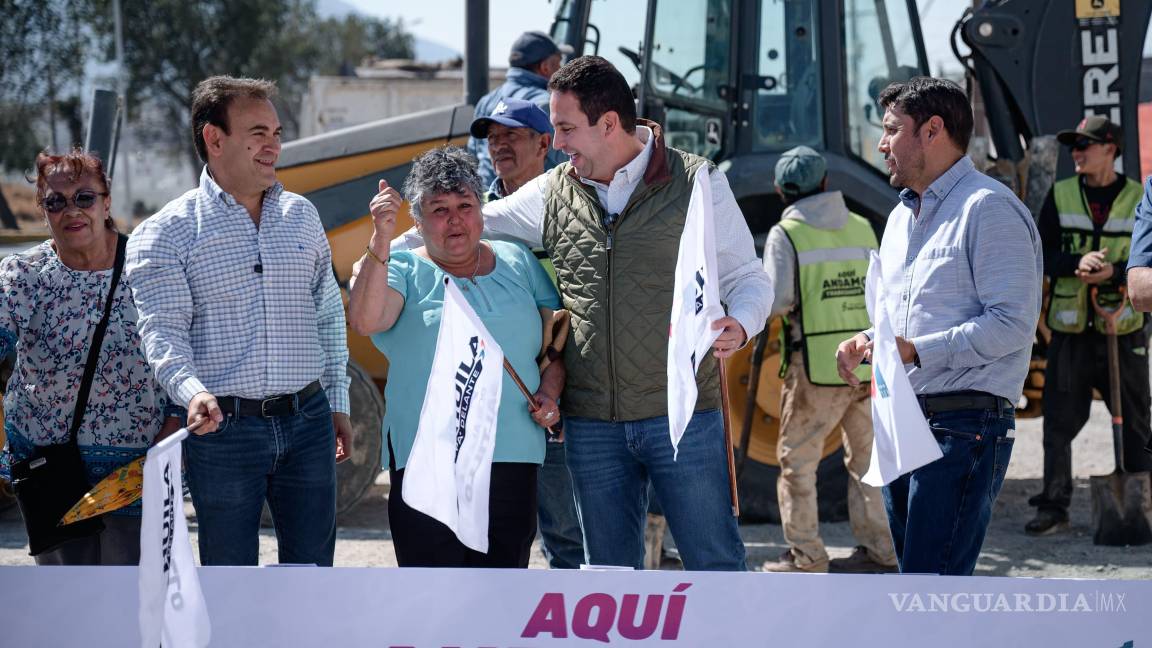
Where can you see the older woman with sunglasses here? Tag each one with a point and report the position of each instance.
(53, 295)
(398, 301)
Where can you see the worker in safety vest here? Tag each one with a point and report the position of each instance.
(817, 257)
(1086, 227)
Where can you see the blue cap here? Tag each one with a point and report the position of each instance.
(800, 170)
(513, 113)
(532, 47)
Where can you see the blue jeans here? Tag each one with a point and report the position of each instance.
(611, 466)
(563, 543)
(939, 513)
(290, 461)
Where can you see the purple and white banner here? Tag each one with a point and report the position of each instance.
(473, 608)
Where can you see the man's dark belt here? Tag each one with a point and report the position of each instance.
(286, 405)
(954, 401)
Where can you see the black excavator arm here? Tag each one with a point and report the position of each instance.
(1042, 66)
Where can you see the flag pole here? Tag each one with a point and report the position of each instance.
(532, 407)
(728, 437)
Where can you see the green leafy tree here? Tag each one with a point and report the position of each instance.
(41, 54)
(171, 45)
(345, 42)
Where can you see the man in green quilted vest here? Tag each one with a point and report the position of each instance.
(817, 258)
(611, 220)
(1086, 226)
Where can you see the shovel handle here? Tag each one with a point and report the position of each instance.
(1110, 318)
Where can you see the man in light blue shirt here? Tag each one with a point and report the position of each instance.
(1140, 260)
(961, 254)
(243, 324)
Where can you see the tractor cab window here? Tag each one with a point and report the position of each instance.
(689, 73)
(615, 32)
(879, 48)
(788, 101)
(690, 51)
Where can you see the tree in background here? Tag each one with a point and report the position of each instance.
(345, 42)
(171, 45)
(41, 61)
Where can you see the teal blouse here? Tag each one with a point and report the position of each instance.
(507, 301)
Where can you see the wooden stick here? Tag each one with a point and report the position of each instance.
(728, 437)
(532, 407)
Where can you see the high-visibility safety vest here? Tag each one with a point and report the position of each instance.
(1070, 303)
(831, 267)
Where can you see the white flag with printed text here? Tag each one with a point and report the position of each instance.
(901, 440)
(695, 306)
(172, 609)
(450, 467)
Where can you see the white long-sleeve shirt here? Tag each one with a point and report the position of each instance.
(744, 286)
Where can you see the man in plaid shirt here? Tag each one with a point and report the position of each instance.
(242, 321)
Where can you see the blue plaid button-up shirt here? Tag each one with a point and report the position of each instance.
(234, 309)
(962, 275)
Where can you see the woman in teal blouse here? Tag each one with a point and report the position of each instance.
(398, 302)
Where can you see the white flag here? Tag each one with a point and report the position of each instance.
(449, 469)
(172, 609)
(901, 440)
(695, 306)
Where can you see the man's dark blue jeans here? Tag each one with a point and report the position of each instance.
(290, 461)
(563, 543)
(939, 513)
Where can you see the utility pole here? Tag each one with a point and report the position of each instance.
(125, 151)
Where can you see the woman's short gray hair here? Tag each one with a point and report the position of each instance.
(444, 170)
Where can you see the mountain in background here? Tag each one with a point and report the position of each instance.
(426, 50)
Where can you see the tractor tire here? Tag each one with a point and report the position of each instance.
(356, 475)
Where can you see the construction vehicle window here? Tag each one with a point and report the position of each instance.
(616, 32)
(878, 49)
(788, 97)
(690, 49)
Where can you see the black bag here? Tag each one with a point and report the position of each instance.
(46, 486)
(54, 478)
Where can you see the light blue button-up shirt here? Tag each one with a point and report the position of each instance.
(962, 278)
(210, 321)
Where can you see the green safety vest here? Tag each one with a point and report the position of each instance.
(831, 268)
(1070, 299)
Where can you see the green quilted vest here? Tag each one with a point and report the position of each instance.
(617, 282)
(1070, 303)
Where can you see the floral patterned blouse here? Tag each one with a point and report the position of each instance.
(48, 313)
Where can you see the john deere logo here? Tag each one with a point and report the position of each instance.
(845, 284)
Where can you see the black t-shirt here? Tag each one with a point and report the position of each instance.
(1062, 257)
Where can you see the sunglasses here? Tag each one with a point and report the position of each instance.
(1082, 144)
(54, 203)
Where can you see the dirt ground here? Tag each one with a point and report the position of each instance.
(364, 540)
